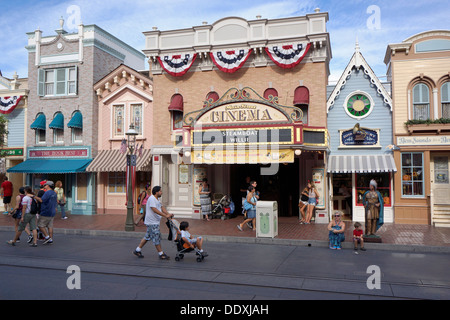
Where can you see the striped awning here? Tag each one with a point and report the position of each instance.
(115, 161)
(361, 164)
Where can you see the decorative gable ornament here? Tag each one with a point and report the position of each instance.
(230, 61)
(8, 104)
(177, 65)
(288, 56)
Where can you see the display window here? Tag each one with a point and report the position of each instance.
(384, 186)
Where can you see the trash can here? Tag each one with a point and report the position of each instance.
(266, 219)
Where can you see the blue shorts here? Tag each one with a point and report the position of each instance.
(154, 234)
(312, 201)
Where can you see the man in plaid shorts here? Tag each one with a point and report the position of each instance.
(154, 212)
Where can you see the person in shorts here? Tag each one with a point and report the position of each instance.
(48, 211)
(7, 192)
(196, 242)
(27, 218)
(154, 212)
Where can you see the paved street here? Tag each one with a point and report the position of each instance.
(232, 272)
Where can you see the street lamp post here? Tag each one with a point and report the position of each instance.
(131, 161)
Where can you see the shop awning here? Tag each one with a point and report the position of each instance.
(76, 121)
(361, 164)
(39, 123)
(58, 122)
(51, 166)
(115, 161)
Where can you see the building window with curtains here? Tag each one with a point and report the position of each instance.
(445, 100)
(421, 102)
(116, 182)
(413, 174)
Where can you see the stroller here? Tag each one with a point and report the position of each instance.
(224, 208)
(182, 247)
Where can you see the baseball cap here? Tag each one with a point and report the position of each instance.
(49, 183)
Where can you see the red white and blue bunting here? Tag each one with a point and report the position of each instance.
(8, 104)
(177, 65)
(288, 56)
(230, 61)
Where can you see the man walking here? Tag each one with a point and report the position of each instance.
(48, 211)
(7, 192)
(153, 214)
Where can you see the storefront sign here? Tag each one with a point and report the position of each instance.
(243, 156)
(58, 153)
(244, 112)
(424, 141)
(18, 152)
(254, 136)
(369, 138)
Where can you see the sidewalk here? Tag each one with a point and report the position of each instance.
(401, 237)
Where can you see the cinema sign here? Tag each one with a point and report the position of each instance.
(242, 118)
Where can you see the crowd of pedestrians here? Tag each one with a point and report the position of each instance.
(37, 212)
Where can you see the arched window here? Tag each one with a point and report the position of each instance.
(445, 100)
(301, 100)
(57, 125)
(270, 92)
(212, 95)
(421, 102)
(176, 109)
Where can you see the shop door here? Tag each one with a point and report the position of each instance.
(440, 182)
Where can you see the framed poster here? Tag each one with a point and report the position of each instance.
(183, 174)
(199, 174)
(318, 177)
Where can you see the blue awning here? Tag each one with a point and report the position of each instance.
(51, 166)
(39, 123)
(76, 121)
(58, 122)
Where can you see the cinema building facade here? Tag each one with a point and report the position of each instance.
(240, 98)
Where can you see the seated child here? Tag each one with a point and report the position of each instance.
(189, 240)
(358, 236)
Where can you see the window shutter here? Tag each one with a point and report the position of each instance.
(76, 80)
(41, 83)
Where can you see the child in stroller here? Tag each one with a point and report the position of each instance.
(186, 243)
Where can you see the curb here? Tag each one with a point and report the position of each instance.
(251, 240)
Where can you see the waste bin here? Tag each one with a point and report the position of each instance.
(266, 219)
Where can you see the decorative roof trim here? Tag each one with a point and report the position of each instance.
(359, 62)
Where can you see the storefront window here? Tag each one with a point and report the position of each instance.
(82, 186)
(136, 114)
(384, 186)
(116, 182)
(412, 175)
(119, 120)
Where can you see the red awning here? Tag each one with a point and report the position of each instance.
(301, 96)
(212, 95)
(176, 104)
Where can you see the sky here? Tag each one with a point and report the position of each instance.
(374, 23)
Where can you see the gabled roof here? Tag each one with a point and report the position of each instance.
(358, 62)
(136, 81)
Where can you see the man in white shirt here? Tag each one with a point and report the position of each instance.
(153, 214)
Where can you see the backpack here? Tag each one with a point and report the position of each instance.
(34, 208)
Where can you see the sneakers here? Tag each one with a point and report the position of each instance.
(30, 238)
(48, 241)
(11, 242)
(138, 254)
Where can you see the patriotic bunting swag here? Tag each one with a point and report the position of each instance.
(8, 104)
(230, 61)
(177, 65)
(288, 56)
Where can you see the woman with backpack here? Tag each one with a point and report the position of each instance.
(28, 217)
(16, 213)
